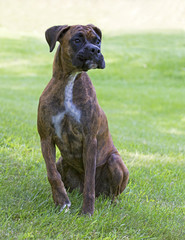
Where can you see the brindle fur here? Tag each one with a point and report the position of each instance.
(89, 160)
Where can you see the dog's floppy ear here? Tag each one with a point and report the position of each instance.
(96, 29)
(55, 33)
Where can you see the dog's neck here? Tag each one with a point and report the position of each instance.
(62, 67)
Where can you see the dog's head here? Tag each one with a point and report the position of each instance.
(80, 45)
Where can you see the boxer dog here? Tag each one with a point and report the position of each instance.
(70, 118)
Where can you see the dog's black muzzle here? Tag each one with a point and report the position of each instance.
(89, 57)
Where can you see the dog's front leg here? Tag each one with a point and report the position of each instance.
(58, 190)
(89, 160)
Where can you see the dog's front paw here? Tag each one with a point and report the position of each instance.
(61, 200)
(87, 213)
(88, 205)
(88, 210)
(66, 206)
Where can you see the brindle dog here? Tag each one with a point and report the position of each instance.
(70, 118)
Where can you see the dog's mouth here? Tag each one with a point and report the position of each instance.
(86, 62)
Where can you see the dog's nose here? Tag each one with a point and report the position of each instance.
(93, 50)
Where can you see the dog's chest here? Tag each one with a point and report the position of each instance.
(71, 115)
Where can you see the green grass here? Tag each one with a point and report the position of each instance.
(142, 91)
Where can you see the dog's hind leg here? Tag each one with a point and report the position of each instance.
(70, 177)
(119, 175)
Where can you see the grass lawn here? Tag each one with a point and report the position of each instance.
(142, 91)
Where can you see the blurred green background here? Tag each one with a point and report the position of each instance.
(111, 16)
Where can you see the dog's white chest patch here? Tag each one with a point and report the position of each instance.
(70, 108)
(56, 120)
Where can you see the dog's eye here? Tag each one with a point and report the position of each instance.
(77, 40)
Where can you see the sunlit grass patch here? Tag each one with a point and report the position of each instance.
(142, 92)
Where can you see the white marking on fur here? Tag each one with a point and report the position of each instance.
(70, 108)
(57, 122)
(91, 64)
